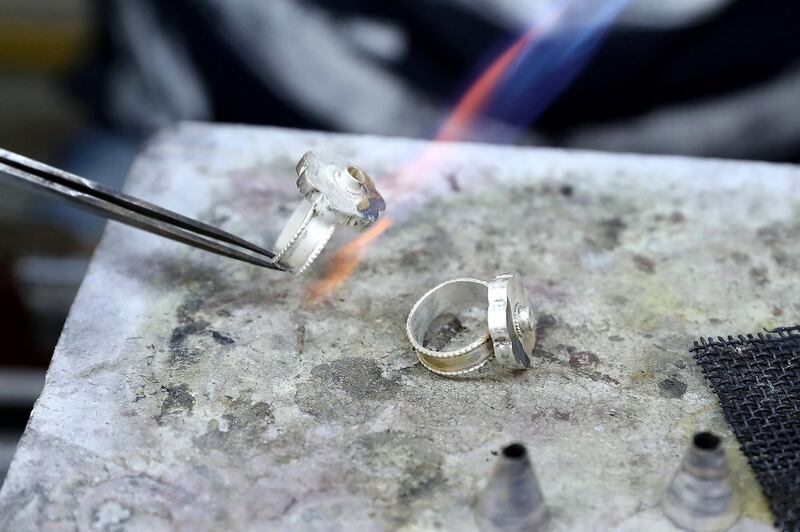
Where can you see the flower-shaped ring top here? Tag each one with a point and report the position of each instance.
(334, 193)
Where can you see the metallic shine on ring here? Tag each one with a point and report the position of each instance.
(510, 333)
(446, 296)
(334, 194)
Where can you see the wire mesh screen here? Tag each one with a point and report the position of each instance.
(757, 379)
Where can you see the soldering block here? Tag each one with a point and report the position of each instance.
(193, 392)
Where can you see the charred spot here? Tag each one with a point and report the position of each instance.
(221, 339)
(672, 388)
(178, 400)
(582, 359)
(180, 352)
(544, 323)
(644, 264)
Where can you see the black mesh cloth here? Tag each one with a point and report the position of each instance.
(757, 379)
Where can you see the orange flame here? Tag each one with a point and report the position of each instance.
(472, 104)
(345, 262)
(456, 127)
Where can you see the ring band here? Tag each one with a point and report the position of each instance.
(446, 296)
(303, 238)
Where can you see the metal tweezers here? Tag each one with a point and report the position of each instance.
(131, 211)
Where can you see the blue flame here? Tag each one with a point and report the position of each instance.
(549, 63)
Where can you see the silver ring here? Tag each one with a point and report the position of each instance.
(446, 296)
(334, 193)
(510, 333)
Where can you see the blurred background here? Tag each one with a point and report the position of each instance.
(84, 82)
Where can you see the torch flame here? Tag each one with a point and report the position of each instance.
(345, 262)
(457, 126)
(474, 102)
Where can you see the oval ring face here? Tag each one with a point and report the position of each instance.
(511, 321)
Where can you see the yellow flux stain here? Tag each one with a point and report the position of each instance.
(656, 302)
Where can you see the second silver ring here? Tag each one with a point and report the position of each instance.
(509, 333)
